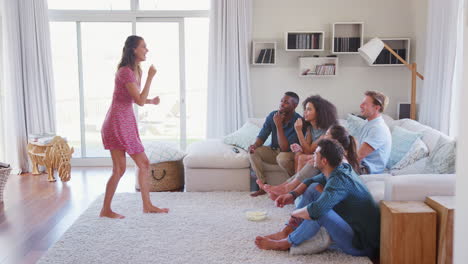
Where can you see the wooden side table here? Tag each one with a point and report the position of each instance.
(445, 207)
(408, 233)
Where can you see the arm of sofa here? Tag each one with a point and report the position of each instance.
(415, 187)
(375, 177)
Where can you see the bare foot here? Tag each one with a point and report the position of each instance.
(257, 193)
(281, 234)
(260, 184)
(267, 244)
(154, 209)
(277, 190)
(272, 196)
(111, 214)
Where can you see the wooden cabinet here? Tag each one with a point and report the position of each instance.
(408, 233)
(445, 208)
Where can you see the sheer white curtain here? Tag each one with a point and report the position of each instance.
(443, 65)
(229, 102)
(28, 79)
(2, 95)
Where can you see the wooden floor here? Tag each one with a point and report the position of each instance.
(35, 213)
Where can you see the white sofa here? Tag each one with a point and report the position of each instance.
(211, 165)
(412, 183)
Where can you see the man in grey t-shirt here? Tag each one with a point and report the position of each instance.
(375, 139)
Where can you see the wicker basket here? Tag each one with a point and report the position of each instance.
(166, 176)
(4, 173)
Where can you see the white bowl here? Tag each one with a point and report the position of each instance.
(256, 214)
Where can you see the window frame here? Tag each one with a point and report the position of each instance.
(133, 16)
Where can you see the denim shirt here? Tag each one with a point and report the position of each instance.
(269, 127)
(348, 196)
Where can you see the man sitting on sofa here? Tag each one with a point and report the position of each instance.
(375, 139)
(279, 123)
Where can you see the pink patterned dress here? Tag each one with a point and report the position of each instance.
(120, 130)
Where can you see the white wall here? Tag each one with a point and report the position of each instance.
(271, 18)
(461, 211)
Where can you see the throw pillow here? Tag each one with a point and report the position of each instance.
(442, 158)
(245, 136)
(402, 140)
(419, 167)
(159, 151)
(354, 125)
(418, 151)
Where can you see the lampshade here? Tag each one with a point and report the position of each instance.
(371, 50)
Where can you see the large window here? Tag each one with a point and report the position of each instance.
(86, 48)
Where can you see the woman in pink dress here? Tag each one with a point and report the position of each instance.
(120, 132)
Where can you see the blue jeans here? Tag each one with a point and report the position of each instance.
(339, 230)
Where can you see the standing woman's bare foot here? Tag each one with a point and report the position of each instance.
(154, 209)
(110, 214)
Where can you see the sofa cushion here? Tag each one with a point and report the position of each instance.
(245, 136)
(213, 153)
(430, 136)
(417, 151)
(402, 141)
(159, 151)
(354, 124)
(418, 167)
(442, 158)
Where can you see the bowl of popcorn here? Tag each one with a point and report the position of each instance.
(256, 214)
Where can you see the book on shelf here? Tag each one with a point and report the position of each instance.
(267, 57)
(385, 57)
(402, 54)
(323, 69)
(272, 58)
(261, 55)
(346, 44)
(291, 41)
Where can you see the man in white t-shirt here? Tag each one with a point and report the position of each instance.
(375, 139)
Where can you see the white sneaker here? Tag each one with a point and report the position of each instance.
(319, 243)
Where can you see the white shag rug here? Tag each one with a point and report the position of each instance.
(200, 228)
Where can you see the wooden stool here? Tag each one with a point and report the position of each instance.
(408, 233)
(445, 207)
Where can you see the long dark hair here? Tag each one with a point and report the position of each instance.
(325, 111)
(340, 134)
(128, 53)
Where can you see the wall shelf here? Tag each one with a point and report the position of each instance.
(304, 40)
(264, 52)
(400, 46)
(347, 37)
(318, 67)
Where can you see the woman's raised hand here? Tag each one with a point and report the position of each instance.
(151, 71)
(155, 100)
(298, 124)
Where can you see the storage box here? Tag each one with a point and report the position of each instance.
(165, 176)
(4, 173)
